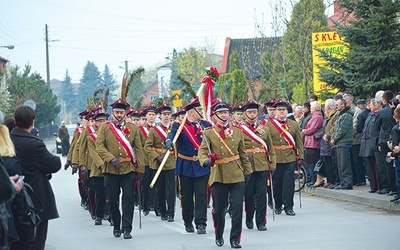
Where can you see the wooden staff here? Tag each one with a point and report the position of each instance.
(178, 132)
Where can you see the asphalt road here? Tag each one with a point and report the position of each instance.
(319, 224)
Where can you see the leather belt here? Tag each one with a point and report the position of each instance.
(125, 159)
(189, 158)
(227, 159)
(163, 150)
(255, 150)
(283, 147)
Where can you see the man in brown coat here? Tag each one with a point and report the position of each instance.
(230, 166)
(120, 147)
(155, 150)
(261, 154)
(288, 145)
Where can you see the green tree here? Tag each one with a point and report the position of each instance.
(308, 16)
(90, 82)
(109, 81)
(31, 86)
(67, 95)
(373, 60)
(191, 64)
(233, 86)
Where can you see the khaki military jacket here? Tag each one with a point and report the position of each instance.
(75, 138)
(109, 148)
(262, 162)
(84, 159)
(96, 160)
(284, 152)
(233, 171)
(75, 154)
(144, 138)
(154, 144)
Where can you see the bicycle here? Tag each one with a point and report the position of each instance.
(300, 178)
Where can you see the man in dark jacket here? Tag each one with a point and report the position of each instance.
(383, 126)
(342, 139)
(37, 166)
(64, 137)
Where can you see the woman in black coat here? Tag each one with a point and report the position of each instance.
(37, 165)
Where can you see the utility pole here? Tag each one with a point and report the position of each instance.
(47, 55)
(126, 68)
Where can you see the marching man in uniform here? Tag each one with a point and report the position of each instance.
(288, 145)
(119, 145)
(192, 177)
(155, 149)
(223, 148)
(261, 154)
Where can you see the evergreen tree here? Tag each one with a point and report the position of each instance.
(109, 82)
(308, 16)
(67, 95)
(90, 83)
(31, 86)
(232, 85)
(372, 35)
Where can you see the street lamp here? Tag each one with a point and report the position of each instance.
(8, 46)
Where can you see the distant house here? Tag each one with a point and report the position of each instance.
(150, 93)
(340, 15)
(3, 71)
(250, 51)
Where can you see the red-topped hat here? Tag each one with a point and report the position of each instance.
(150, 108)
(132, 113)
(119, 105)
(100, 114)
(193, 104)
(222, 106)
(280, 105)
(163, 108)
(178, 113)
(238, 108)
(251, 105)
(270, 103)
(83, 113)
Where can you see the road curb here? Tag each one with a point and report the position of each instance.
(357, 195)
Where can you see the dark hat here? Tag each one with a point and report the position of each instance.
(238, 108)
(142, 113)
(132, 113)
(193, 104)
(251, 105)
(223, 106)
(163, 108)
(100, 114)
(280, 105)
(89, 116)
(83, 113)
(119, 105)
(178, 113)
(360, 102)
(150, 108)
(270, 103)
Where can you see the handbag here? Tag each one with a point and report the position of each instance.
(26, 212)
(319, 167)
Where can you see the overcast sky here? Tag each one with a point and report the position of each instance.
(110, 32)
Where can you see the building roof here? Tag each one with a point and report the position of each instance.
(250, 52)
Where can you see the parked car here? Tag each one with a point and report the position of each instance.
(71, 129)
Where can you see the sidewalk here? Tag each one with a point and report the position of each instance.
(358, 195)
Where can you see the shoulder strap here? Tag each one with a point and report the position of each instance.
(223, 142)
